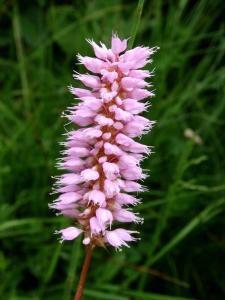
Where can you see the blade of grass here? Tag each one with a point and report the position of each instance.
(136, 23)
(21, 59)
(29, 221)
(151, 296)
(103, 295)
(71, 275)
(206, 215)
(134, 294)
(51, 269)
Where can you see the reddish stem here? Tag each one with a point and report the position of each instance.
(83, 275)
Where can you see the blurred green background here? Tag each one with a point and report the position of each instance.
(182, 251)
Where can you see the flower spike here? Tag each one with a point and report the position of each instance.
(102, 159)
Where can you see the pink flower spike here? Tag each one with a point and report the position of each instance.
(102, 159)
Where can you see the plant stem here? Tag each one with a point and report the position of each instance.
(83, 275)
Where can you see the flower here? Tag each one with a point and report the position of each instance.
(69, 233)
(118, 237)
(102, 158)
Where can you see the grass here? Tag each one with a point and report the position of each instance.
(182, 247)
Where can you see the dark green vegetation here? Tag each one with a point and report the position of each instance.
(181, 253)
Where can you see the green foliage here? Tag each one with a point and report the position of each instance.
(182, 247)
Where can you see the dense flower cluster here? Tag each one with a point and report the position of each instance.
(102, 157)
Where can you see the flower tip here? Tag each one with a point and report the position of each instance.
(80, 59)
(118, 45)
(86, 241)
